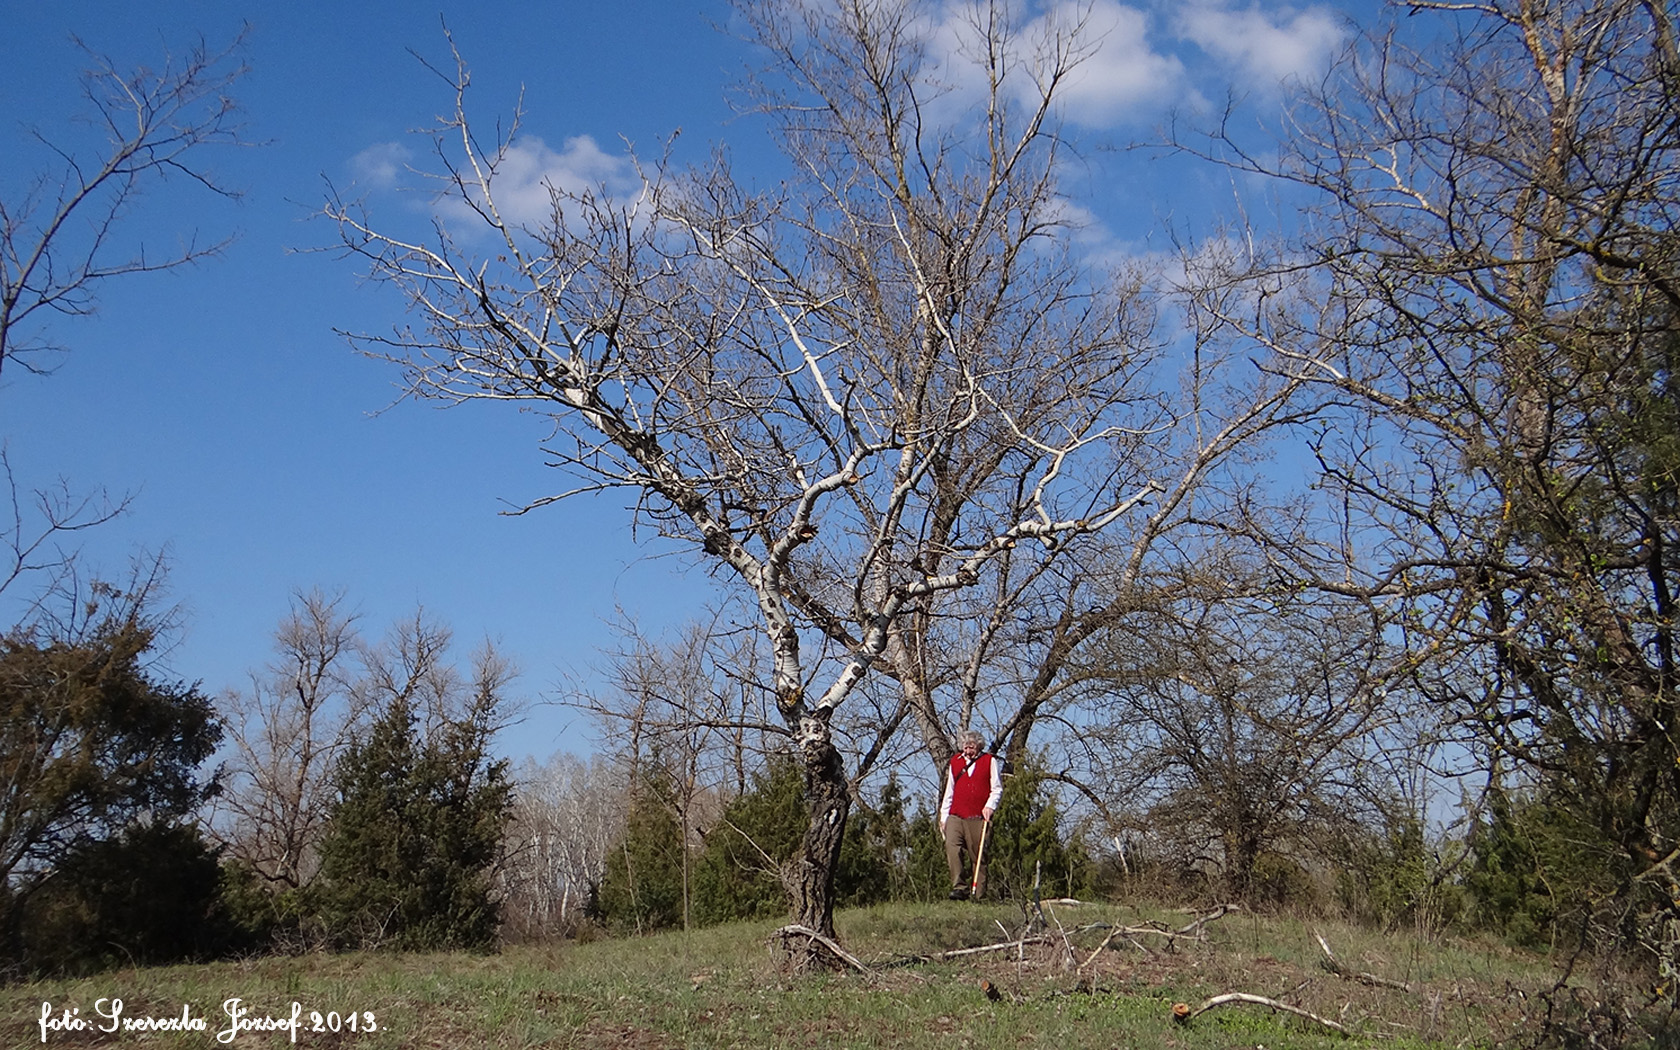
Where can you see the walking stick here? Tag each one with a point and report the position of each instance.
(979, 855)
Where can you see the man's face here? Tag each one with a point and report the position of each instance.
(971, 748)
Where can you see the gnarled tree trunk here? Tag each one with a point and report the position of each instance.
(810, 875)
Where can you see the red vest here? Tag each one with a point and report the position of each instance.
(970, 789)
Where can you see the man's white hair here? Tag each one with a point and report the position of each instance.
(969, 734)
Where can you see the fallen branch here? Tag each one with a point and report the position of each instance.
(1219, 912)
(1105, 942)
(1129, 932)
(1334, 965)
(827, 942)
(1001, 947)
(1182, 1013)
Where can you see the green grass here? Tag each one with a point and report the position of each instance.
(723, 988)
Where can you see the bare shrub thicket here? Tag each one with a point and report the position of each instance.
(318, 699)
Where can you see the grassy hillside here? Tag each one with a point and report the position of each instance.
(721, 987)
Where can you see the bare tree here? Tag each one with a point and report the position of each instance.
(38, 533)
(697, 696)
(1489, 284)
(689, 717)
(288, 733)
(314, 702)
(60, 232)
(1243, 724)
(567, 813)
(1012, 654)
(787, 379)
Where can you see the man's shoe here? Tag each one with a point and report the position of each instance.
(959, 893)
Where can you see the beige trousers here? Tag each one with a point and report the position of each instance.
(960, 836)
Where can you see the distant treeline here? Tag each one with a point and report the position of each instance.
(121, 853)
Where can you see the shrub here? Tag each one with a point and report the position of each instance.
(1391, 878)
(1281, 883)
(408, 850)
(641, 889)
(1535, 870)
(739, 874)
(148, 896)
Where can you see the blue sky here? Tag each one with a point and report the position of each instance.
(249, 433)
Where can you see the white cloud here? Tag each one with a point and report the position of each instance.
(381, 165)
(1119, 77)
(1128, 74)
(1095, 243)
(1124, 79)
(1268, 47)
(527, 177)
(530, 172)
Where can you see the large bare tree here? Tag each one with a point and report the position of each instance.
(1013, 653)
(850, 392)
(1492, 292)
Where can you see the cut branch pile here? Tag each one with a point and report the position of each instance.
(1193, 929)
(1182, 1013)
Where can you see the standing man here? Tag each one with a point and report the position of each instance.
(972, 790)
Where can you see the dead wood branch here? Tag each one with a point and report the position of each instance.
(1219, 912)
(1131, 933)
(1334, 965)
(1185, 1016)
(840, 953)
(1069, 958)
(1004, 946)
(1089, 959)
(1373, 980)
